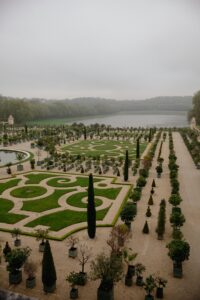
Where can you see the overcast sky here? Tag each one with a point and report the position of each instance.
(122, 49)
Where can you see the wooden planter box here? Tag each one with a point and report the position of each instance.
(105, 294)
(159, 293)
(30, 283)
(15, 278)
(17, 242)
(177, 270)
(72, 252)
(41, 247)
(74, 293)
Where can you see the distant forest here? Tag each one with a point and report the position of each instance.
(39, 109)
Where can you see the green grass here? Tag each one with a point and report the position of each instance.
(9, 184)
(76, 200)
(28, 191)
(36, 178)
(80, 181)
(110, 193)
(46, 203)
(5, 216)
(103, 147)
(65, 218)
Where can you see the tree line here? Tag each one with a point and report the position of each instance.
(25, 109)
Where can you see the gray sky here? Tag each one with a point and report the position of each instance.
(122, 49)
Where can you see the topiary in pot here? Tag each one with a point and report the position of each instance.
(71, 242)
(41, 235)
(48, 270)
(16, 233)
(149, 285)
(73, 279)
(160, 284)
(109, 269)
(179, 251)
(16, 259)
(128, 213)
(139, 269)
(30, 268)
(150, 202)
(148, 212)
(146, 228)
(175, 199)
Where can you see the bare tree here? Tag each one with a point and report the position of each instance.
(84, 255)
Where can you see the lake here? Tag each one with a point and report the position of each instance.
(137, 120)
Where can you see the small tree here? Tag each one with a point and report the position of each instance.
(126, 166)
(128, 213)
(91, 211)
(48, 269)
(118, 236)
(146, 228)
(175, 199)
(149, 286)
(84, 256)
(30, 267)
(179, 251)
(161, 220)
(177, 219)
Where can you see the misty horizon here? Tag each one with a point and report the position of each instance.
(130, 50)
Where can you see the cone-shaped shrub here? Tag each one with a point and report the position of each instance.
(161, 220)
(152, 191)
(150, 202)
(153, 185)
(146, 228)
(48, 269)
(148, 213)
(91, 211)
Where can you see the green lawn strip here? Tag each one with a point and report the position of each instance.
(5, 216)
(80, 181)
(76, 200)
(30, 191)
(8, 184)
(46, 203)
(65, 218)
(38, 177)
(110, 193)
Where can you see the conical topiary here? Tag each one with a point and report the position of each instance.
(153, 185)
(48, 270)
(91, 211)
(148, 213)
(146, 228)
(152, 191)
(150, 202)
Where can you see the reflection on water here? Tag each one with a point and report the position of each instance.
(8, 156)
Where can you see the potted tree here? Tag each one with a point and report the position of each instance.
(179, 251)
(139, 269)
(15, 234)
(160, 284)
(128, 257)
(41, 235)
(73, 279)
(109, 269)
(20, 157)
(128, 213)
(72, 242)
(149, 286)
(30, 268)
(159, 170)
(84, 256)
(16, 259)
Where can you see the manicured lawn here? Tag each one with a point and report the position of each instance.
(108, 193)
(36, 178)
(76, 200)
(80, 181)
(62, 219)
(9, 184)
(30, 191)
(104, 147)
(47, 203)
(5, 216)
